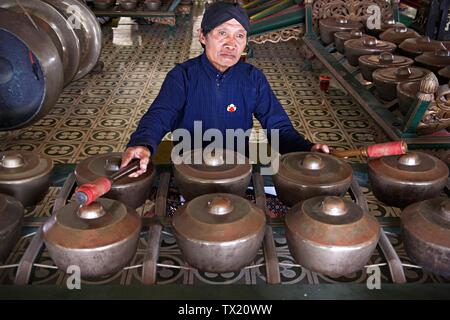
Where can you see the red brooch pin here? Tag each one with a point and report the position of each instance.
(231, 108)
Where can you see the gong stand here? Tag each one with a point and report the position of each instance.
(392, 258)
(156, 224)
(154, 232)
(270, 255)
(26, 262)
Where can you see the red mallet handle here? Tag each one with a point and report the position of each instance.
(374, 150)
(387, 149)
(89, 192)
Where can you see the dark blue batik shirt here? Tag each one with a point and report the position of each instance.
(196, 91)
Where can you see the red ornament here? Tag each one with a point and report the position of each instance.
(231, 108)
(324, 83)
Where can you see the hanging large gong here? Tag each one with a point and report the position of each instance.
(54, 24)
(31, 72)
(85, 25)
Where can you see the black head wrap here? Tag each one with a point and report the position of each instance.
(221, 12)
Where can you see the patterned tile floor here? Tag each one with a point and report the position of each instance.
(98, 113)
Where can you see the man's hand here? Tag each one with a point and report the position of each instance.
(139, 152)
(318, 147)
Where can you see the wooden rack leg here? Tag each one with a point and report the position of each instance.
(26, 263)
(270, 255)
(154, 240)
(272, 265)
(393, 261)
(151, 256)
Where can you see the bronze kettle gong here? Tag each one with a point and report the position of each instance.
(331, 235)
(100, 238)
(219, 232)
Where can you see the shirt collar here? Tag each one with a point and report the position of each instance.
(212, 71)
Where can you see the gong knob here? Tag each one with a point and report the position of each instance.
(213, 160)
(112, 165)
(410, 159)
(390, 22)
(370, 42)
(12, 161)
(312, 162)
(386, 57)
(400, 29)
(342, 21)
(220, 206)
(334, 206)
(93, 211)
(355, 33)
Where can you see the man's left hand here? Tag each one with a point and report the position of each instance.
(318, 147)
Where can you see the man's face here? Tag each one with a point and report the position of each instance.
(225, 44)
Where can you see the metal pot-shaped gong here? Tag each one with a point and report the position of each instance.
(100, 238)
(385, 25)
(434, 61)
(131, 191)
(53, 23)
(401, 180)
(331, 25)
(426, 234)
(398, 34)
(444, 75)
(152, 5)
(303, 175)
(368, 64)
(25, 175)
(104, 4)
(341, 37)
(386, 79)
(331, 235)
(406, 94)
(219, 232)
(363, 46)
(128, 4)
(85, 24)
(414, 47)
(31, 72)
(228, 172)
(11, 214)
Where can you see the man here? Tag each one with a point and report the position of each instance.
(217, 89)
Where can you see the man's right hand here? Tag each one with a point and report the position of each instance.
(139, 152)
